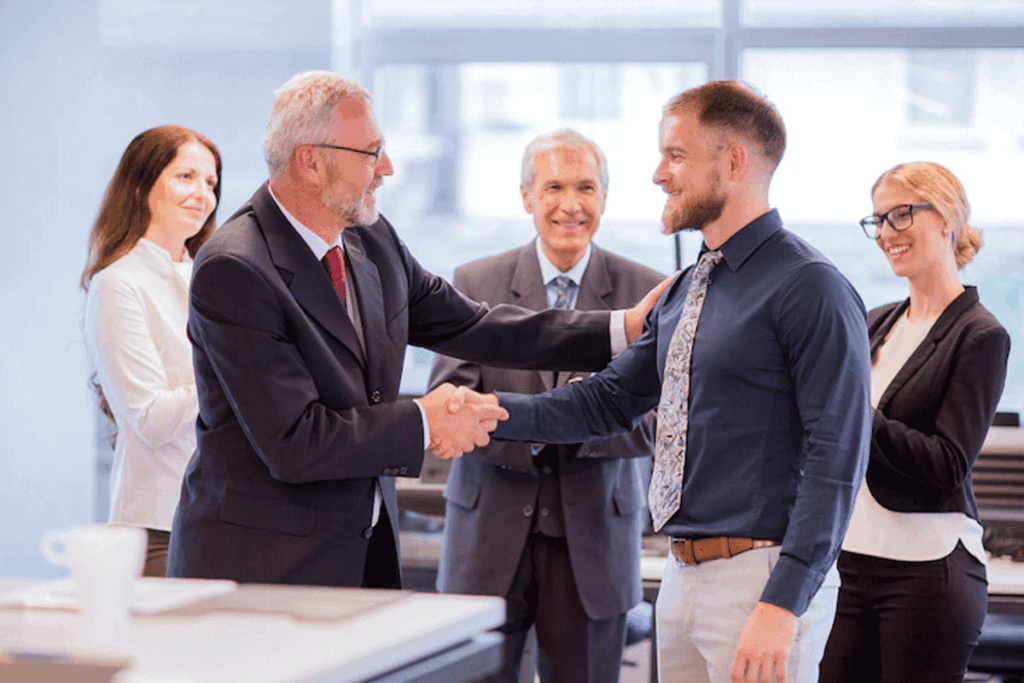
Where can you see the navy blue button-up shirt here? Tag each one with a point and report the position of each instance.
(780, 419)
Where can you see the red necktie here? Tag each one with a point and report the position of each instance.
(334, 262)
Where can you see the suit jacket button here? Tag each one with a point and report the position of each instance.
(403, 470)
(375, 397)
(528, 511)
(367, 532)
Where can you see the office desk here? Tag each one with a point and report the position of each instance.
(1004, 441)
(410, 637)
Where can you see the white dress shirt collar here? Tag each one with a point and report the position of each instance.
(318, 246)
(157, 255)
(549, 272)
(159, 259)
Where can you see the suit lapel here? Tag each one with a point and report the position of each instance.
(909, 369)
(528, 291)
(305, 276)
(922, 353)
(370, 295)
(596, 289)
(594, 294)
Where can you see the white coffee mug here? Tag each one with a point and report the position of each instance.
(105, 561)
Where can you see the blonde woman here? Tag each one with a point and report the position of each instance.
(914, 591)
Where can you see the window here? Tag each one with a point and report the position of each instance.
(455, 195)
(848, 118)
(862, 84)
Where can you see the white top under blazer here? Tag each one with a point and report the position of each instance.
(136, 311)
(907, 536)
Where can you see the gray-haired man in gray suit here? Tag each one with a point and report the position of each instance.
(556, 529)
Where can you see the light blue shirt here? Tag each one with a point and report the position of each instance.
(549, 272)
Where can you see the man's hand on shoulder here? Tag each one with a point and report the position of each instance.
(764, 645)
(459, 419)
(634, 317)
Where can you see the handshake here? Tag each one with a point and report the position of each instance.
(460, 419)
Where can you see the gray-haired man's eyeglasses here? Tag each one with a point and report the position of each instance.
(375, 153)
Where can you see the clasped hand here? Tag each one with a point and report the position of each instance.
(460, 419)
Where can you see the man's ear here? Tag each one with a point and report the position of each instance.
(527, 202)
(309, 165)
(739, 160)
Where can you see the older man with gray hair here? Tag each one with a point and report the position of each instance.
(301, 309)
(554, 529)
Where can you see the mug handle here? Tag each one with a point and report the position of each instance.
(50, 541)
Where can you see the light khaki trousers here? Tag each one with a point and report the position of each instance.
(702, 609)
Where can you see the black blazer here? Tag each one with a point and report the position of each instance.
(934, 415)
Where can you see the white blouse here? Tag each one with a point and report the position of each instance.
(135, 317)
(908, 536)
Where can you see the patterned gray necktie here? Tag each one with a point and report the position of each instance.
(563, 285)
(673, 408)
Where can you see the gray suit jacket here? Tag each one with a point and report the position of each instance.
(491, 492)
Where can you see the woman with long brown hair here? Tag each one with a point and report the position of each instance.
(157, 211)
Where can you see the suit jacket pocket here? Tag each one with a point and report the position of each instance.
(269, 515)
(463, 493)
(627, 499)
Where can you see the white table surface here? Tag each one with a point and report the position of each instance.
(1004, 441)
(225, 647)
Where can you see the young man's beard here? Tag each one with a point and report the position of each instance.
(697, 213)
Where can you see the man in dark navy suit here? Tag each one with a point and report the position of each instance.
(301, 309)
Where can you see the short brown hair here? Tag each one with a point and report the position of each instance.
(124, 214)
(737, 108)
(936, 184)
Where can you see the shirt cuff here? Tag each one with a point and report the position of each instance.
(426, 427)
(791, 585)
(617, 332)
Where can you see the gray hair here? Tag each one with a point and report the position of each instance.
(303, 112)
(563, 137)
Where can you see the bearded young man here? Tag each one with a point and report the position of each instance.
(757, 361)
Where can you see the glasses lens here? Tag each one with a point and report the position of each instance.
(901, 217)
(870, 226)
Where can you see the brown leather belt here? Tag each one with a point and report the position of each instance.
(697, 550)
